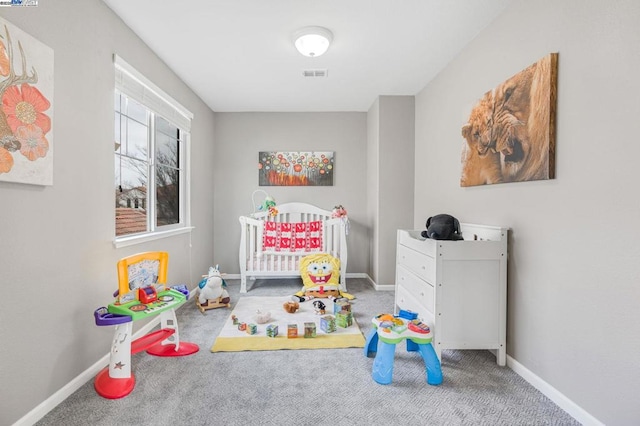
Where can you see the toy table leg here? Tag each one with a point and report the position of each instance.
(120, 359)
(171, 346)
(412, 346)
(383, 363)
(433, 369)
(371, 345)
(117, 381)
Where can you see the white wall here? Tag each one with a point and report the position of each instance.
(574, 274)
(57, 260)
(239, 139)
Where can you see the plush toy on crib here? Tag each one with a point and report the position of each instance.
(212, 289)
(320, 278)
(339, 211)
(269, 205)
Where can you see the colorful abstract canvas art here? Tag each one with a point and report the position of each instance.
(295, 168)
(26, 115)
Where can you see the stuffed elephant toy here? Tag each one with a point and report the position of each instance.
(442, 227)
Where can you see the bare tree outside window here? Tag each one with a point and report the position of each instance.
(167, 173)
(144, 188)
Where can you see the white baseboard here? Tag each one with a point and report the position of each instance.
(384, 287)
(573, 409)
(376, 286)
(50, 403)
(389, 287)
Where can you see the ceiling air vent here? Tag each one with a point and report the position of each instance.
(315, 73)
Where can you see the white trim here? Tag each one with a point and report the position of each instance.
(186, 193)
(358, 275)
(573, 409)
(232, 276)
(52, 402)
(385, 287)
(377, 287)
(151, 236)
(131, 75)
(272, 277)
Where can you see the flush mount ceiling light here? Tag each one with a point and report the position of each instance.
(312, 41)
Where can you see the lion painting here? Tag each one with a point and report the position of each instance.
(516, 123)
(478, 130)
(481, 163)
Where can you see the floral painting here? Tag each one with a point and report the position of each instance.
(295, 168)
(26, 113)
(510, 133)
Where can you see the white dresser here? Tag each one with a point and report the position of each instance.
(458, 287)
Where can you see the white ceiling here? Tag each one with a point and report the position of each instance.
(238, 55)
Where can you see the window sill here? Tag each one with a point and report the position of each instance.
(143, 238)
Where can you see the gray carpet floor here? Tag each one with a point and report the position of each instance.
(308, 387)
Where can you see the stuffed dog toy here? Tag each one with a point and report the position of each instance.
(442, 227)
(319, 307)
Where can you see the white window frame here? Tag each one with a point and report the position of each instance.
(134, 85)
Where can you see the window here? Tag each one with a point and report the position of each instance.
(151, 160)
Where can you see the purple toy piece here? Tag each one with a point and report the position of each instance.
(182, 289)
(103, 317)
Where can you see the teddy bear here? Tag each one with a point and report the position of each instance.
(443, 227)
(291, 306)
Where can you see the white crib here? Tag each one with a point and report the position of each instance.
(256, 262)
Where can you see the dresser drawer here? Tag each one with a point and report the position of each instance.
(418, 263)
(421, 290)
(406, 301)
(414, 240)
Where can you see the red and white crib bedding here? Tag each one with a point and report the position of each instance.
(300, 237)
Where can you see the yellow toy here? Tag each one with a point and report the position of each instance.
(320, 278)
